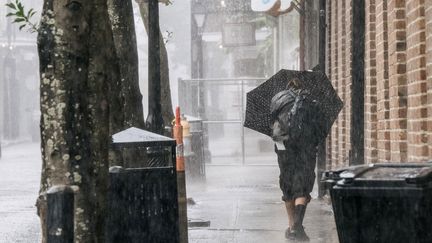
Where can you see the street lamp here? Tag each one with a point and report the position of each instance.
(200, 19)
(199, 14)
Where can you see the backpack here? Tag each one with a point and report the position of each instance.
(296, 118)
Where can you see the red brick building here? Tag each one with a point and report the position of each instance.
(379, 53)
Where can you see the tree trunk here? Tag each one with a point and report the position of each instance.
(123, 27)
(167, 109)
(77, 68)
(126, 100)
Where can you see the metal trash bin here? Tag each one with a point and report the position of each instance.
(194, 151)
(382, 203)
(142, 202)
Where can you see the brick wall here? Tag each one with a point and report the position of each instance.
(329, 71)
(333, 75)
(370, 133)
(417, 83)
(347, 78)
(398, 79)
(339, 14)
(342, 43)
(383, 113)
(428, 13)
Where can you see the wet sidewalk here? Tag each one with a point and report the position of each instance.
(20, 167)
(243, 205)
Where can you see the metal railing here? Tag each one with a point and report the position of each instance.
(218, 102)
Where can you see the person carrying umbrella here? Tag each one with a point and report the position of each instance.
(296, 109)
(297, 130)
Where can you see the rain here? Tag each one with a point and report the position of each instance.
(218, 121)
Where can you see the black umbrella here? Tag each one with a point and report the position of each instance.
(316, 83)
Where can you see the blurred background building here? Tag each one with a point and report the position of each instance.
(19, 80)
(234, 48)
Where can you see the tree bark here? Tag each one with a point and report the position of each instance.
(126, 100)
(167, 109)
(123, 27)
(77, 67)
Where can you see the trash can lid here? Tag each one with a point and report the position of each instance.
(409, 172)
(387, 173)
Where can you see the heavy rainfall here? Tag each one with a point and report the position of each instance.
(234, 121)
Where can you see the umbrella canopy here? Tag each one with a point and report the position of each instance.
(317, 84)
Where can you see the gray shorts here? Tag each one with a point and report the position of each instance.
(297, 171)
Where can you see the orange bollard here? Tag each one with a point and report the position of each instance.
(178, 136)
(181, 178)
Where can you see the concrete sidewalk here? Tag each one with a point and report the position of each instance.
(243, 205)
(20, 167)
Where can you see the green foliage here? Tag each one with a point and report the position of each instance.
(21, 16)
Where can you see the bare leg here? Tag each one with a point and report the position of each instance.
(301, 201)
(289, 205)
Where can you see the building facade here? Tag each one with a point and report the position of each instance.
(380, 52)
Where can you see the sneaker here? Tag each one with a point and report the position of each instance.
(299, 234)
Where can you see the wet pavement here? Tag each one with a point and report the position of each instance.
(20, 167)
(242, 203)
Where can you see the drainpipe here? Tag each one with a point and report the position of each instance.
(321, 157)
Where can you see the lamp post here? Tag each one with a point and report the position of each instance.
(199, 15)
(154, 121)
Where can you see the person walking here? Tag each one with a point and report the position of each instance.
(297, 130)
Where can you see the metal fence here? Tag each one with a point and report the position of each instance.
(221, 104)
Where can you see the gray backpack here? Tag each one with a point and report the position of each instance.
(296, 118)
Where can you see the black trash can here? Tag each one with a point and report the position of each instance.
(143, 202)
(386, 203)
